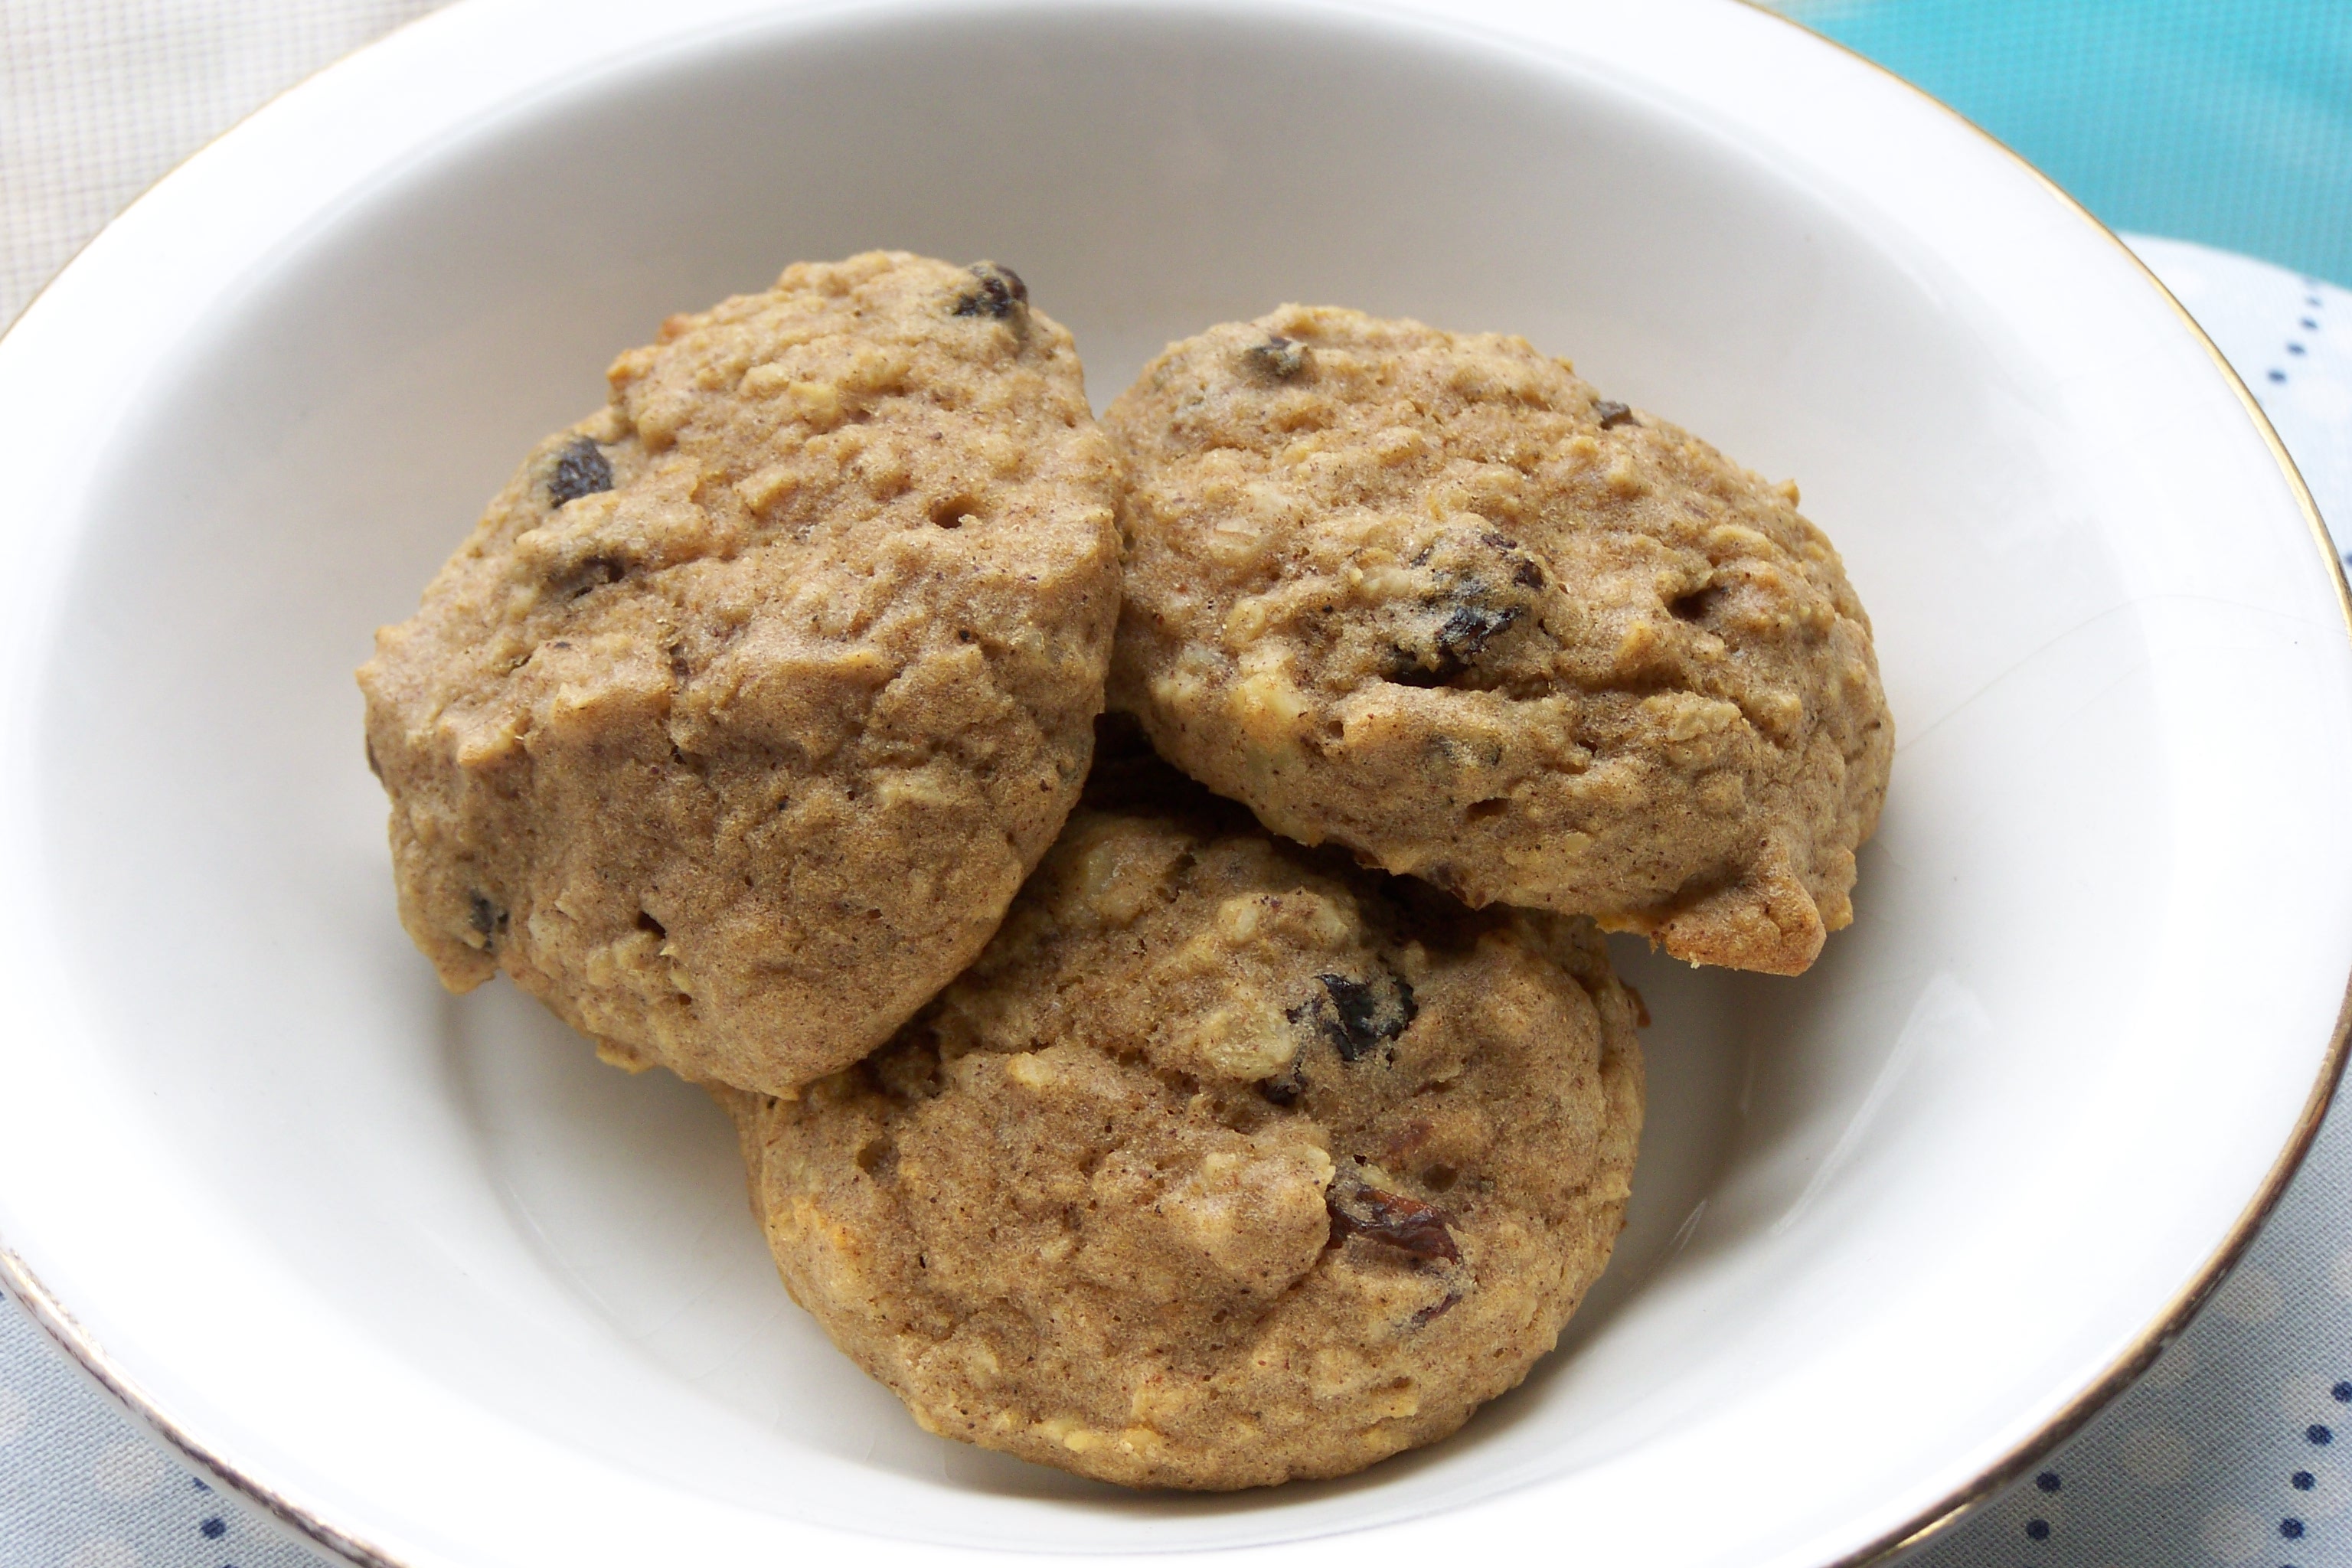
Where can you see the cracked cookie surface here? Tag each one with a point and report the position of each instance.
(736, 724)
(1226, 1163)
(1429, 596)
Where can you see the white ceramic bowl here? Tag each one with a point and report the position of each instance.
(440, 1288)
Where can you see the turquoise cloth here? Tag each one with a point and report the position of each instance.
(2224, 122)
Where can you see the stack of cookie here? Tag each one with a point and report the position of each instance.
(1176, 1135)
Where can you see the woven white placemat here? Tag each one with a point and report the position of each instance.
(98, 98)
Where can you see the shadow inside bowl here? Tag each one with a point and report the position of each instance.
(630, 1190)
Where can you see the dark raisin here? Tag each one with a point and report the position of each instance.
(1434, 1312)
(1527, 573)
(1000, 294)
(1454, 646)
(1406, 1224)
(1277, 358)
(1286, 1089)
(1611, 413)
(1459, 640)
(1358, 1017)
(580, 470)
(487, 919)
(1468, 631)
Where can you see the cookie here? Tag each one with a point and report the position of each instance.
(1431, 597)
(1226, 1163)
(737, 721)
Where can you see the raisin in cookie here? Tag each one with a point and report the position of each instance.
(739, 720)
(1226, 1163)
(1431, 597)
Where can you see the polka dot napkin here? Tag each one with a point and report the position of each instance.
(2233, 1448)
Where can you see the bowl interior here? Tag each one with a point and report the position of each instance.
(1895, 1212)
